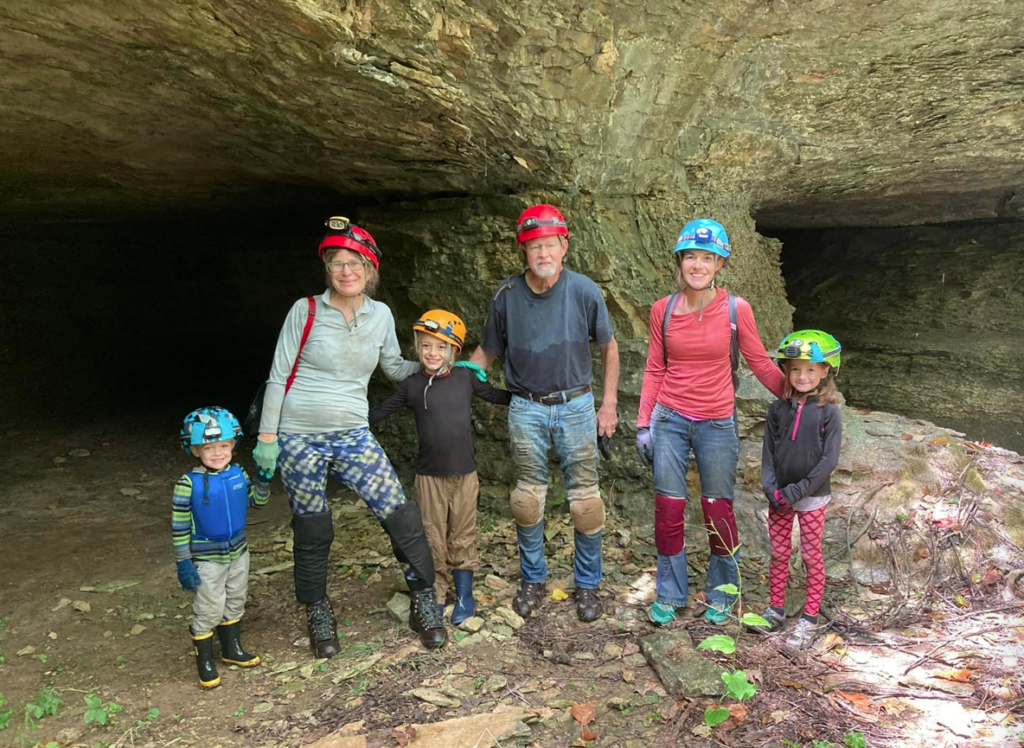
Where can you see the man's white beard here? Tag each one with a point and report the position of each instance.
(545, 272)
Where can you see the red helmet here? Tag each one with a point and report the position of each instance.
(541, 220)
(346, 235)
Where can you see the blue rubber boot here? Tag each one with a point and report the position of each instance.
(465, 605)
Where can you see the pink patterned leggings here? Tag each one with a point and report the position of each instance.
(780, 531)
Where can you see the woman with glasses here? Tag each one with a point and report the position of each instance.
(314, 422)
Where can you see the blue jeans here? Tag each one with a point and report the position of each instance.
(571, 428)
(715, 446)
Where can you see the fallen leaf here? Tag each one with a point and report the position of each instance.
(940, 441)
(832, 640)
(863, 411)
(737, 712)
(991, 577)
(559, 595)
(779, 715)
(907, 437)
(522, 162)
(584, 713)
(859, 700)
(922, 553)
(627, 675)
(81, 606)
(26, 650)
(791, 683)
(893, 707)
(403, 735)
(960, 676)
(588, 735)
(960, 601)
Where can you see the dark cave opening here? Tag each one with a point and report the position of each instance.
(930, 317)
(154, 316)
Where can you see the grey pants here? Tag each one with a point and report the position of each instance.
(221, 596)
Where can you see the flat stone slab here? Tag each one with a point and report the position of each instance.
(682, 669)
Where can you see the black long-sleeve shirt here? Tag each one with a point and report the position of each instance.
(444, 424)
(801, 448)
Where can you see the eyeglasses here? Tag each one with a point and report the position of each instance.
(338, 266)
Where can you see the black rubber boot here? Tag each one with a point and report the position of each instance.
(208, 675)
(426, 619)
(231, 651)
(313, 535)
(528, 598)
(323, 629)
(409, 542)
(465, 605)
(588, 605)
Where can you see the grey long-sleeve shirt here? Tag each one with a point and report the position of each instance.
(329, 391)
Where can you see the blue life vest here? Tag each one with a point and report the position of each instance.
(219, 503)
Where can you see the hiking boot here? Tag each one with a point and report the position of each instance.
(661, 615)
(588, 605)
(776, 622)
(465, 605)
(208, 675)
(426, 619)
(323, 630)
(803, 636)
(528, 598)
(231, 651)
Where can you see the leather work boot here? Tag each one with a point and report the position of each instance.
(323, 630)
(208, 675)
(426, 620)
(528, 598)
(231, 651)
(588, 605)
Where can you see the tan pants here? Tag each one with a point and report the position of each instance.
(448, 506)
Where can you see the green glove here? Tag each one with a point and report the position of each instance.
(476, 368)
(266, 454)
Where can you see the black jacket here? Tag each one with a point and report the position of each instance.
(443, 412)
(799, 454)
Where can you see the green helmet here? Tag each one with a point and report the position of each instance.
(810, 345)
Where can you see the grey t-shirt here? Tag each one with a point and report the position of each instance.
(545, 338)
(329, 391)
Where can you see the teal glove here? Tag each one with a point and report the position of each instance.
(476, 368)
(266, 454)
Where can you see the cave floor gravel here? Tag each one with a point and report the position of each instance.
(90, 607)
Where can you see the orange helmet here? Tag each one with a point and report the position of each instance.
(541, 220)
(443, 326)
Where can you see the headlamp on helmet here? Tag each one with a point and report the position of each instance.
(343, 234)
(810, 345)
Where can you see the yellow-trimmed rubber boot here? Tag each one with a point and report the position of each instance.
(208, 675)
(231, 652)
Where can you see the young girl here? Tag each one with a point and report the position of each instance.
(802, 436)
(440, 396)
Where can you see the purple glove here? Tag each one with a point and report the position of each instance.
(644, 448)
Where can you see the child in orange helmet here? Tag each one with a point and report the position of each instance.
(440, 396)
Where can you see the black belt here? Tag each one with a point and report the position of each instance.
(558, 398)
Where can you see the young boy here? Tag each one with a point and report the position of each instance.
(208, 523)
(447, 487)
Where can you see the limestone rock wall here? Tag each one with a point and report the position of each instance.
(931, 320)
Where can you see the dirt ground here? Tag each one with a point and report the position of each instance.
(91, 615)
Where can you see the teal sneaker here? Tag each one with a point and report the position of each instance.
(714, 615)
(661, 615)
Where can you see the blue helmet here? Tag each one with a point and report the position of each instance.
(705, 234)
(208, 425)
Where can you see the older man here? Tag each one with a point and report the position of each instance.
(542, 322)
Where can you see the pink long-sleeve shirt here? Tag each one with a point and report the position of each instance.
(698, 383)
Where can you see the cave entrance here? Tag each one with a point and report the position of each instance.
(930, 318)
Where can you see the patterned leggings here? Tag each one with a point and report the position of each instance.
(780, 531)
(353, 457)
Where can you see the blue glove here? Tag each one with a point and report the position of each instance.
(266, 454)
(188, 575)
(644, 448)
(476, 368)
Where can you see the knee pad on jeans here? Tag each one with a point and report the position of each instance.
(527, 502)
(669, 525)
(587, 509)
(313, 535)
(720, 522)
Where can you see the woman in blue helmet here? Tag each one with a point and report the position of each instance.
(315, 419)
(687, 403)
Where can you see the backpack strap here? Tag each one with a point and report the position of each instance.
(734, 346)
(669, 308)
(310, 314)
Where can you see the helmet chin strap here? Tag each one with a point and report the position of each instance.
(711, 287)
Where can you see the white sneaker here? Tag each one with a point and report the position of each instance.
(804, 634)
